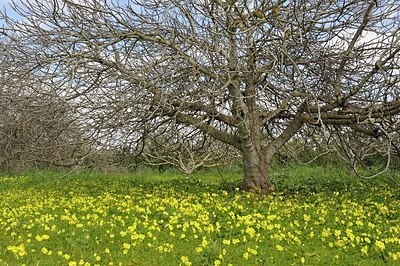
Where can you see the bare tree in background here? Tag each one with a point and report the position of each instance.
(248, 73)
(37, 131)
(187, 149)
(37, 128)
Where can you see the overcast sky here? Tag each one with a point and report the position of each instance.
(4, 4)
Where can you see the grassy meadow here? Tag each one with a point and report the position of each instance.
(321, 215)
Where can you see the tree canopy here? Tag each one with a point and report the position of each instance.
(251, 74)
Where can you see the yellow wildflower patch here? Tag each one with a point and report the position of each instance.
(124, 222)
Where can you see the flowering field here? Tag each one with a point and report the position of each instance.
(121, 220)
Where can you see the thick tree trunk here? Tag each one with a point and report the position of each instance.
(255, 159)
(246, 115)
(255, 166)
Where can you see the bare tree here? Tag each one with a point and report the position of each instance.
(187, 149)
(248, 73)
(37, 127)
(36, 130)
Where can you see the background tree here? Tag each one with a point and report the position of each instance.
(38, 131)
(248, 73)
(187, 149)
(37, 127)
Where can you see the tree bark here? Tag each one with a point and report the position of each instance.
(255, 159)
(255, 166)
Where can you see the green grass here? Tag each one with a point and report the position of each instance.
(321, 216)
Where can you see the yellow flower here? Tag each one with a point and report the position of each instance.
(246, 255)
(279, 247)
(359, 223)
(226, 242)
(250, 231)
(303, 260)
(252, 251)
(19, 250)
(365, 250)
(394, 256)
(185, 261)
(235, 241)
(380, 245)
(44, 250)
